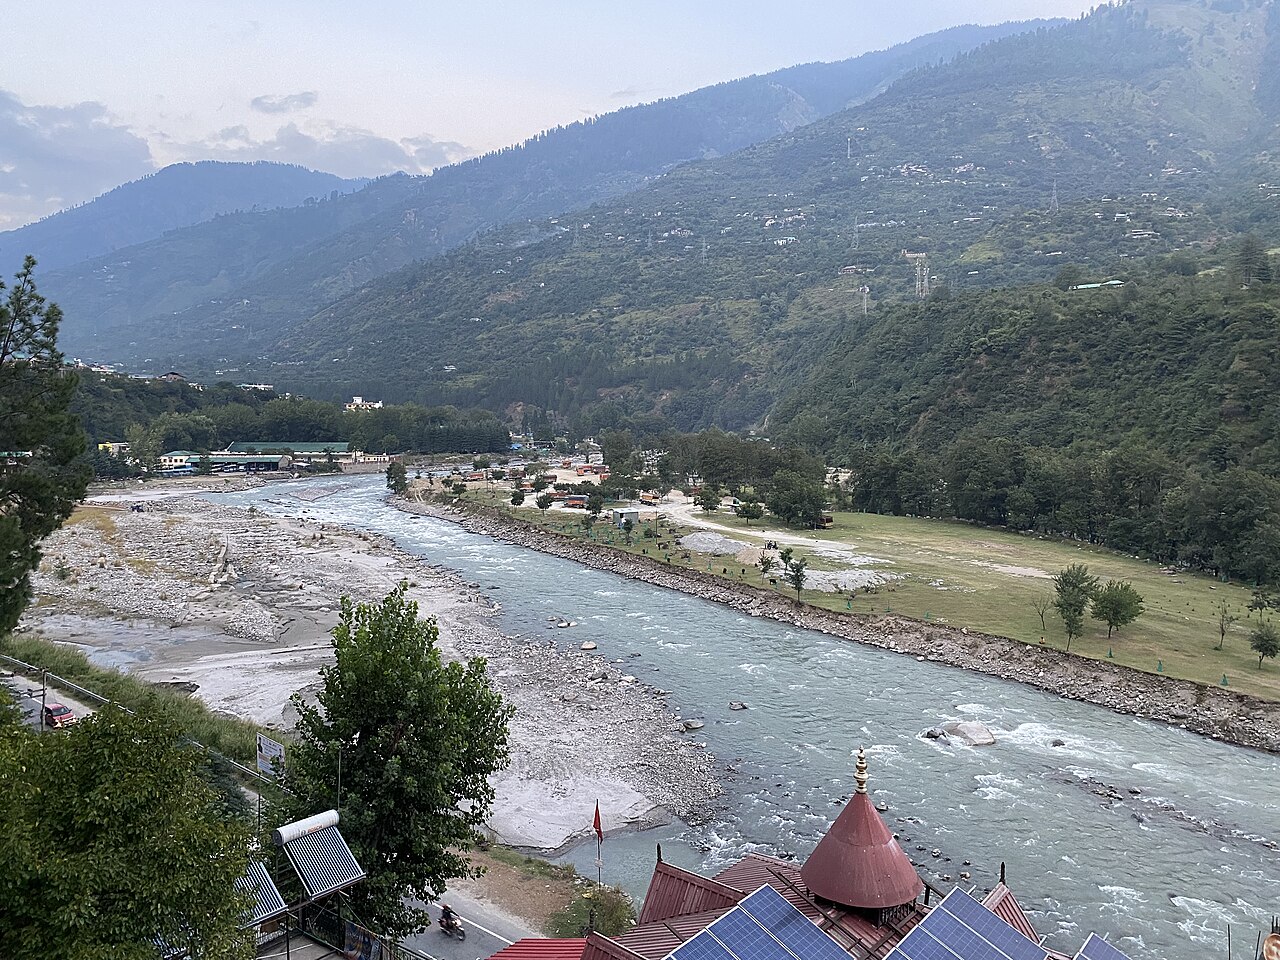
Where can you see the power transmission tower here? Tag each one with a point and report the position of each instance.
(704, 250)
(866, 298)
(855, 231)
(649, 244)
(848, 148)
(1053, 200)
(921, 260)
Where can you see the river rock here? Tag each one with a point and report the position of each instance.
(737, 705)
(971, 732)
(935, 733)
(692, 725)
(588, 645)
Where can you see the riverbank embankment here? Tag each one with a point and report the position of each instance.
(237, 606)
(1209, 711)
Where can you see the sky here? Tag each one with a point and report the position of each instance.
(94, 94)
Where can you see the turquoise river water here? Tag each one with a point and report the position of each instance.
(1161, 871)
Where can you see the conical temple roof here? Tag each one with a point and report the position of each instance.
(858, 863)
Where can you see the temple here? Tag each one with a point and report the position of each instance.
(858, 888)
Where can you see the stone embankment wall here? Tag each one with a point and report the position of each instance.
(1210, 711)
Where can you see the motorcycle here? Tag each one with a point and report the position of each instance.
(453, 927)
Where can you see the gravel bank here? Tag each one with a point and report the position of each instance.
(241, 605)
(1209, 711)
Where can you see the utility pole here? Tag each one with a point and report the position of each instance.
(921, 260)
(1053, 200)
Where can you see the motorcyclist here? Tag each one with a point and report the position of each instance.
(448, 919)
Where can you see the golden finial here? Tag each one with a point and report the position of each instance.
(861, 774)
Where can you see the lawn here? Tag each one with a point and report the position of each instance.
(969, 576)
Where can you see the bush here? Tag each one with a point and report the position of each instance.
(614, 913)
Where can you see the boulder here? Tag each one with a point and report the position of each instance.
(588, 645)
(935, 733)
(972, 732)
(737, 705)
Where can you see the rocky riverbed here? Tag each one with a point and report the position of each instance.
(239, 607)
(1209, 711)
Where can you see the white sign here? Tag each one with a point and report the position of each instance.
(270, 756)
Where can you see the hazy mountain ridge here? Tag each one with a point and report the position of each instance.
(690, 296)
(173, 197)
(246, 286)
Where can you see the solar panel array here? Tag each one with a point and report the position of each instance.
(1095, 948)
(764, 926)
(324, 861)
(960, 928)
(267, 902)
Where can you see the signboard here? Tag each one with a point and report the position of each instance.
(270, 756)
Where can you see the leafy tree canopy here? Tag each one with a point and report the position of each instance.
(111, 840)
(418, 740)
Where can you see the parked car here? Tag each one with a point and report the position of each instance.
(57, 715)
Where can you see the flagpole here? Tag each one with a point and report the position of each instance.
(599, 845)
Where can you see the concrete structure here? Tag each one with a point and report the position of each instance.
(360, 403)
(307, 453)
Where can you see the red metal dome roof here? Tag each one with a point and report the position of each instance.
(858, 863)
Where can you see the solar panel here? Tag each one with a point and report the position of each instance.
(801, 935)
(702, 947)
(323, 861)
(1095, 948)
(746, 938)
(960, 928)
(764, 926)
(266, 899)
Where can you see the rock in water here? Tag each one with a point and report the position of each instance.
(737, 705)
(935, 733)
(588, 645)
(971, 732)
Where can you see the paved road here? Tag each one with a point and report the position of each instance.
(26, 693)
(488, 931)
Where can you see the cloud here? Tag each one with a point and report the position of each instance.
(344, 150)
(630, 93)
(53, 157)
(284, 102)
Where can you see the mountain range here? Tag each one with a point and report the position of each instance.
(176, 196)
(747, 270)
(258, 272)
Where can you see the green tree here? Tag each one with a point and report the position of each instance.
(517, 497)
(397, 479)
(1117, 604)
(417, 739)
(111, 841)
(1225, 619)
(796, 499)
(766, 564)
(588, 521)
(41, 475)
(1073, 589)
(708, 498)
(628, 525)
(750, 510)
(795, 572)
(204, 466)
(595, 503)
(544, 501)
(1265, 641)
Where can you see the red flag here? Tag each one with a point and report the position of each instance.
(599, 832)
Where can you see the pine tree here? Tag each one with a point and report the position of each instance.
(41, 473)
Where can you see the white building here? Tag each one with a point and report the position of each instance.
(360, 403)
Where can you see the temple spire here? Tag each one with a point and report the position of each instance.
(860, 774)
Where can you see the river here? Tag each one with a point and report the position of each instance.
(1185, 849)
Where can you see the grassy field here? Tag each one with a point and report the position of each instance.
(987, 580)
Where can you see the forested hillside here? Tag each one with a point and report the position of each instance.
(177, 196)
(246, 278)
(701, 297)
